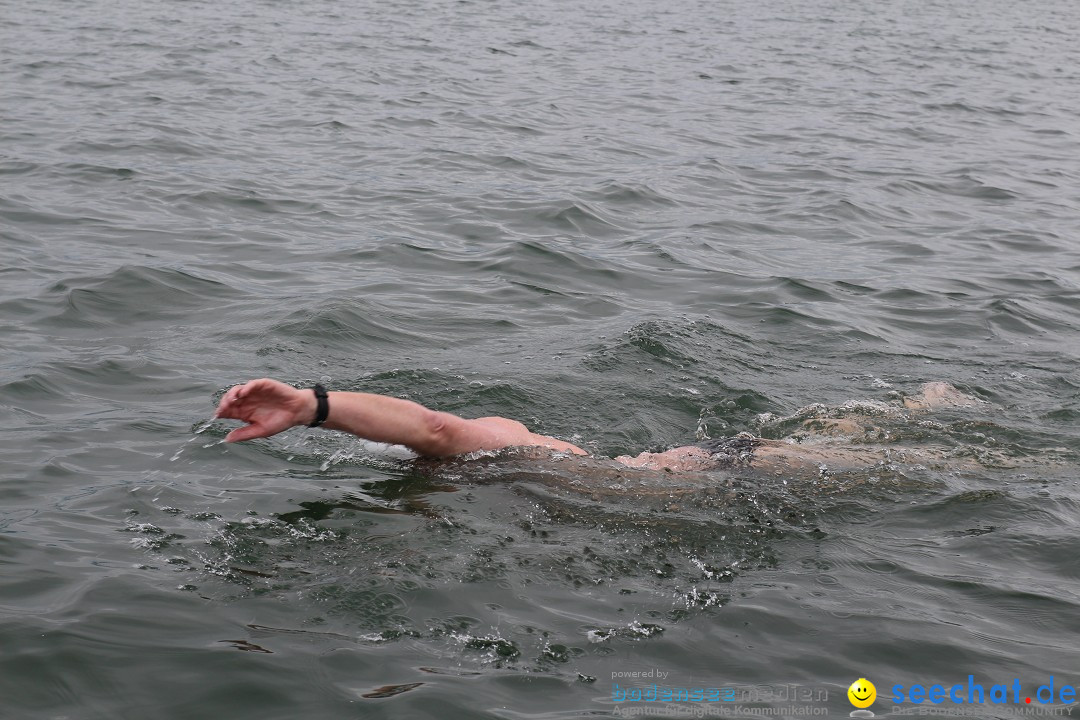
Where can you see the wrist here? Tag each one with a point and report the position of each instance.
(306, 407)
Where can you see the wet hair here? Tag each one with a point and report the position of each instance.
(730, 452)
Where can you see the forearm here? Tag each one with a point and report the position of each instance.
(386, 419)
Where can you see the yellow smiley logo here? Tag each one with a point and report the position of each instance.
(862, 693)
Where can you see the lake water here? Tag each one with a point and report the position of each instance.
(629, 225)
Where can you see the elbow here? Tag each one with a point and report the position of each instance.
(436, 436)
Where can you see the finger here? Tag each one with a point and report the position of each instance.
(227, 406)
(248, 432)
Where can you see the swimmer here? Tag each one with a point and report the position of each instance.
(269, 407)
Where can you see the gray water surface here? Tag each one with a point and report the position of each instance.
(628, 225)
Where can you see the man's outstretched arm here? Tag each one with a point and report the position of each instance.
(269, 407)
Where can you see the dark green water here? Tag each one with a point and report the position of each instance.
(623, 224)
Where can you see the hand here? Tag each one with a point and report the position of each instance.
(267, 406)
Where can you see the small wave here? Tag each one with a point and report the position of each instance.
(134, 293)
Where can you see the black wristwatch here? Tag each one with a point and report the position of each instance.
(322, 410)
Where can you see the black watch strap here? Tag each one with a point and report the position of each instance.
(322, 411)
